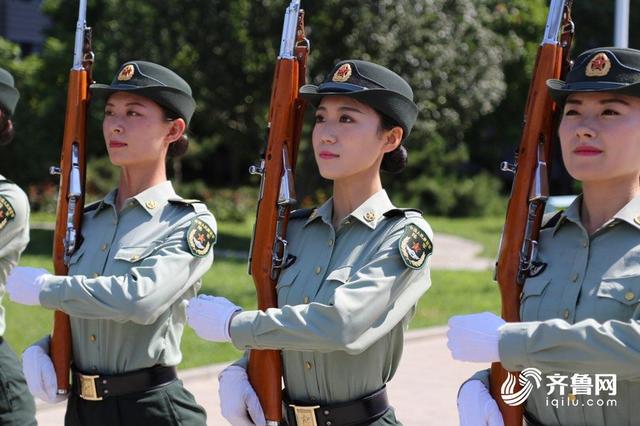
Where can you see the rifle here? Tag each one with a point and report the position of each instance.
(72, 187)
(268, 255)
(529, 193)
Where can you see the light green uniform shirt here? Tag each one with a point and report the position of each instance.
(581, 316)
(129, 281)
(14, 232)
(344, 303)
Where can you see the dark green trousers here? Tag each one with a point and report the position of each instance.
(17, 407)
(169, 405)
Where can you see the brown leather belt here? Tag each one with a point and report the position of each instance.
(362, 411)
(95, 387)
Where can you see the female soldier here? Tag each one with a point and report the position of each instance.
(580, 307)
(361, 265)
(144, 252)
(16, 404)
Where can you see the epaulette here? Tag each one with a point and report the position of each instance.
(92, 206)
(198, 206)
(551, 219)
(401, 212)
(301, 213)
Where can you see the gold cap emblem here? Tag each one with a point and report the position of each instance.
(342, 74)
(599, 66)
(126, 73)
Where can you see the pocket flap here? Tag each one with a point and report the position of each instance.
(341, 274)
(622, 289)
(534, 286)
(77, 255)
(133, 254)
(287, 277)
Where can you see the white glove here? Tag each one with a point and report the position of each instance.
(24, 284)
(476, 407)
(474, 337)
(239, 403)
(210, 317)
(40, 375)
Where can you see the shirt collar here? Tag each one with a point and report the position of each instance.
(630, 213)
(369, 213)
(151, 199)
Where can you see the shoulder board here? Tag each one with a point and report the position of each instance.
(183, 201)
(401, 212)
(301, 213)
(551, 219)
(92, 206)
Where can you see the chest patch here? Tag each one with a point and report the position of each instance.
(200, 238)
(415, 246)
(7, 212)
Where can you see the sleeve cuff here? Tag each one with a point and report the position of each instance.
(241, 330)
(512, 345)
(50, 293)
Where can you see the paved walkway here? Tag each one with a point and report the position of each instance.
(423, 390)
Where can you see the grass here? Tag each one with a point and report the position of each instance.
(452, 292)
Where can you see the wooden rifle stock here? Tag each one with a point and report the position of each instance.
(519, 229)
(267, 249)
(72, 172)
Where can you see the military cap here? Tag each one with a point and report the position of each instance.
(9, 95)
(152, 81)
(372, 84)
(604, 69)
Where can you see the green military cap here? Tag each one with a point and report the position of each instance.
(9, 95)
(155, 82)
(372, 84)
(604, 69)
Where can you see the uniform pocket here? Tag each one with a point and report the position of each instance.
(618, 297)
(77, 255)
(285, 281)
(134, 254)
(336, 278)
(531, 296)
(341, 274)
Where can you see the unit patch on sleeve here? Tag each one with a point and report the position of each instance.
(200, 238)
(415, 246)
(7, 212)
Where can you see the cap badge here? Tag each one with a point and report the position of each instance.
(599, 66)
(126, 73)
(342, 74)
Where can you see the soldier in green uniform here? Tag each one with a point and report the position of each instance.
(143, 254)
(16, 404)
(358, 266)
(581, 302)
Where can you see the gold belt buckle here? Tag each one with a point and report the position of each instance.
(305, 415)
(88, 389)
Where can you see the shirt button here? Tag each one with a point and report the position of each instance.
(330, 242)
(565, 314)
(307, 365)
(306, 300)
(574, 277)
(103, 247)
(92, 338)
(629, 296)
(318, 269)
(95, 275)
(584, 243)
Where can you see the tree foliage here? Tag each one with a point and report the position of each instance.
(467, 61)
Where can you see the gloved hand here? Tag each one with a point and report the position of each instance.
(40, 375)
(474, 337)
(476, 407)
(24, 284)
(210, 317)
(239, 403)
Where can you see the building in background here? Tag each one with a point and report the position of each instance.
(22, 22)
